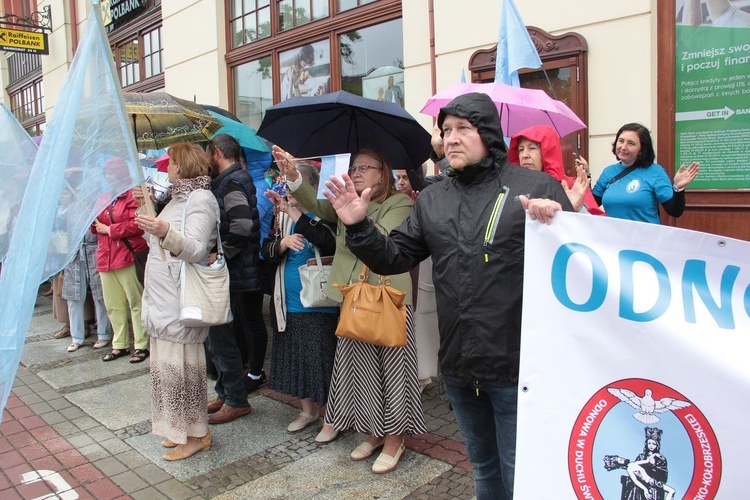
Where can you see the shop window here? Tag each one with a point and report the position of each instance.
(372, 62)
(306, 70)
(565, 60)
(350, 4)
(152, 51)
(253, 86)
(249, 20)
(308, 48)
(27, 105)
(297, 12)
(140, 58)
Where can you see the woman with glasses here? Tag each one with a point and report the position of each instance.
(374, 390)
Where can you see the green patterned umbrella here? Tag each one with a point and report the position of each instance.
(161, 120)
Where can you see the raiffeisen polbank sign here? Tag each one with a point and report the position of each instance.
(23, 41)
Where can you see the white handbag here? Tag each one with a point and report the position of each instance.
(204, 290)
(314, 278)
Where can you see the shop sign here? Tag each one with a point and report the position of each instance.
(23, 41)
(116, 11)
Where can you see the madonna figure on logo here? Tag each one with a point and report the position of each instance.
(647, 474)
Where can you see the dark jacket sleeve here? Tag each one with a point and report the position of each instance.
(320, 233)
(396, 253)
(242, 215)
(676, 204)
(270, 250)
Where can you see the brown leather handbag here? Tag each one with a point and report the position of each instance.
(375, 314)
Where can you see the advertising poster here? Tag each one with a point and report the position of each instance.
(634, 376)
(712, 91)
(385, 84)
(306, 71)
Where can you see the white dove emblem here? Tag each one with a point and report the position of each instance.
(646, 405)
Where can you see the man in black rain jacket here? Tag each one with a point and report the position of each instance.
(472, 224)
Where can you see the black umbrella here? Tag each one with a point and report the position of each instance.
(221, 111)
(341, 122)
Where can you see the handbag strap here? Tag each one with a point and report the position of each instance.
(124, 240)
(621, 175)
(321, 269)
(220, 249)
(364, 275)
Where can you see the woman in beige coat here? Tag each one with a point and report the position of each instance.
(178, 362)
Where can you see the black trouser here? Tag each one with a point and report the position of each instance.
(225, 353)
(250, 329)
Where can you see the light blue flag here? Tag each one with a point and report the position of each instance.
(333, 165)
(463, 76)
(514, 47)
(86, 159)
(18, 153)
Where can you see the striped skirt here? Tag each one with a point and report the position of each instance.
(375, 390)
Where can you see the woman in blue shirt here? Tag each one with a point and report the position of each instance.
(634, 187)
(304, 341)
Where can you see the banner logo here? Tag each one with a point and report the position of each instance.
(638, 438)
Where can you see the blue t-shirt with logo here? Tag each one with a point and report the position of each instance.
(635, 196)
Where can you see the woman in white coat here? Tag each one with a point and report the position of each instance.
(178, 362)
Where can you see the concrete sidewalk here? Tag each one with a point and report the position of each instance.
(76, 427)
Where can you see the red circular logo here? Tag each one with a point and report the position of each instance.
(670, 423)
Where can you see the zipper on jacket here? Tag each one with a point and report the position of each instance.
(489, 233)
(476, 386)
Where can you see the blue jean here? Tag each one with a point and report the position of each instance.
(488, 424)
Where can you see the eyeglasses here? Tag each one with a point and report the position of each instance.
(362, 169)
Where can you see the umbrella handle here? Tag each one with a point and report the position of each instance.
(150, 211)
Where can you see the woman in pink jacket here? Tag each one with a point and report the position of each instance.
(120, 286)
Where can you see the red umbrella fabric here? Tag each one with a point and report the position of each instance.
(519, 108)
(162, 163)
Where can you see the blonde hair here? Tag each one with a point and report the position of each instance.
(191, 158)
(386, 188)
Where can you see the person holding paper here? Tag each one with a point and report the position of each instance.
(304, 342)
(374, 390)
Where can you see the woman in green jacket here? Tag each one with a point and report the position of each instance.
(374, 390)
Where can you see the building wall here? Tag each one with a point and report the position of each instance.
(621, 40)
(194, 35)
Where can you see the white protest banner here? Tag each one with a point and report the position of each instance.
(634, 377)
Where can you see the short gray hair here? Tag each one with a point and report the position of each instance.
(309, 173)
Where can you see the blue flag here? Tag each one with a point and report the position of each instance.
(18, 153)
(86, 159)
(514, 47)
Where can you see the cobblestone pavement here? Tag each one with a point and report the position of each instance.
(75, 427)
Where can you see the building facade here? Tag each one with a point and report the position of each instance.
(611, 62)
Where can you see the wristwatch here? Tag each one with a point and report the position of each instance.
(676, 189)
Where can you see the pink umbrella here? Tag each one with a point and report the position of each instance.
(519, 108)
(162, 163)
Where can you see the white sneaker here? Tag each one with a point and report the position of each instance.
(73, 347)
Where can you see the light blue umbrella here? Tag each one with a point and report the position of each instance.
(253, 145)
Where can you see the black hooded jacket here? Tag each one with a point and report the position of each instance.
(472, 224)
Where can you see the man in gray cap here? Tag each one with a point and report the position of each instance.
(472, 224)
